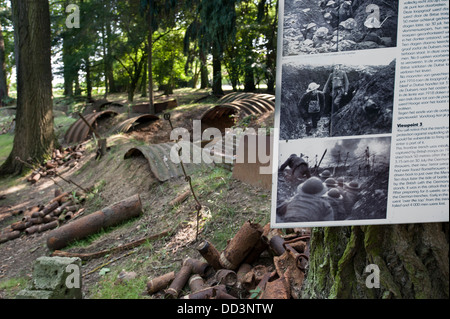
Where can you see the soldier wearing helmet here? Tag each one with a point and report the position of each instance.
(308, 204)
(311, 106)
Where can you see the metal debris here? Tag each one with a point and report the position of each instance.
(79, 131)
(130, 123)
(160, 159)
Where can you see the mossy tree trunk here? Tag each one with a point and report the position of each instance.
(34, 138)
(412, 259)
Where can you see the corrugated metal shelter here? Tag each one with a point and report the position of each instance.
(220, 116)
(79, 131)
(164, 161)
(130, 123)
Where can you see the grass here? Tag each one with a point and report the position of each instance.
(6, 144)
(9, 288)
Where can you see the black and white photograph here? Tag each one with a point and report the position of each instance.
(337, 96)
(321, 26)
(333, 180)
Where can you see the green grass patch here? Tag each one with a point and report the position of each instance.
(110, 287)
(6, 145)
(9, 288)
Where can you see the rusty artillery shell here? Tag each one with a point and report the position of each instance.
(9, 236)
(48, 209)
(68, 215)
(41, 228)
(21, 225)
(277, 289)
(276, 243)
(200, 267)
(241, 244)
(30, 211)
(210, 253)
(226, 277)
(35, 214)
(35, 178)
(49, 218)
(91, 224)
(32, 230)
(179, 282)
(37, 221)
(220, 294)
(159, 283)
(61, 208)
(48, 226)
(196, 283)
(72, 208)
(261, 245)
(207, 293)
(242, 271)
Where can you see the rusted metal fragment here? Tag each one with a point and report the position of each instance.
(286, 266)
(250, 166)
(130, 123)
(159, 283)
(253, 106)
(226, 277)
(240, 245)
(196, 283)
(9, 236)
(199, 267)
(236, 96)
(277, 289)
(211, 254)
(159, 106)
(179, 282)
(79, 131)
(164, 161)
(207, 293)
(93, 223)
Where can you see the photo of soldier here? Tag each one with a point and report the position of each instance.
(340, 97)
(312, 106)
(348, 25)
(334, 188)
(308, 204)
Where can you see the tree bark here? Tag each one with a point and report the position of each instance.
(203, 72)
(3, 83)
(217, 73)
(150, 66)
(412, 259)
(34, 136)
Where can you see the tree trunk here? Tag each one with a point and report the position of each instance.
(144, 81)
(217, 73)
(150, 66)
(412, 261)
(88, 79)
(34, 118)
(203, 72)
(109, 59)
(3, 83)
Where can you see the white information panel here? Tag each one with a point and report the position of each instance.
(362, 113)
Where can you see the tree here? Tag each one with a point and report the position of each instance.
(3, 84)
(412, 261)
(4, 18)
(158, 14)
(34, 136)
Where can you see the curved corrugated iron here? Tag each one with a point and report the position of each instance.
(159, 158)
(79, 131)
(236, 96)
(252, 106)
(126, 125)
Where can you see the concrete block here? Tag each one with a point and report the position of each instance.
(54, 278)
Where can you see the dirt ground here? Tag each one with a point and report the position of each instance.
(118, 179)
